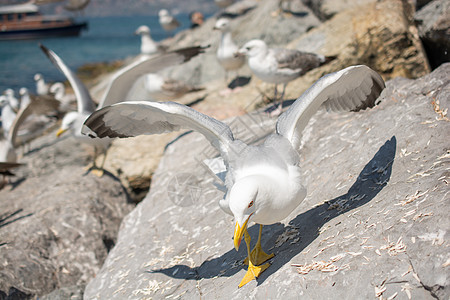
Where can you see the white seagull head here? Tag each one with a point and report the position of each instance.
(253, 48)
(142, 30)
(37, 77)
(163, 13)
(247, 198)
(69, 122)
(222, 24)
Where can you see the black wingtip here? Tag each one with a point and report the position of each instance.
(45, 50)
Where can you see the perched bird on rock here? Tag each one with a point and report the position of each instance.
(227, 48)
(279, 65)
(42, 88)
(167, 21)
(148, 45)
(263, 181)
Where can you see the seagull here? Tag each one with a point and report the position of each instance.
(167, 21)
(24, 97)
(59, 92)
(148, 45)
(278, 65)
(10, 106)
(227, 48)
(158, 88)
(41, 86)
(118, 87)
(12, 140)
(263, 181)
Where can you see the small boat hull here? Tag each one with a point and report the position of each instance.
(38, 33)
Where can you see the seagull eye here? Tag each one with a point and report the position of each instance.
(250, 204)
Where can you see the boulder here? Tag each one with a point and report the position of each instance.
(57, 222)
(374, 223)
(434, 31)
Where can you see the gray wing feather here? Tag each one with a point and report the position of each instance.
(84, 100)
(353, 89)
(123, 80)
(294, 59)
(133, 118)
(38, 106)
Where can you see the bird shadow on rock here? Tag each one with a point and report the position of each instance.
(239, 81)
(303, 229)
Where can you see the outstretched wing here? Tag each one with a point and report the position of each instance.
(38, 106)
(133, 118)
(84, 100)
(353, 89)
(123, 80)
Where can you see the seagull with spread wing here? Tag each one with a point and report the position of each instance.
(117, 89)
(264, 181)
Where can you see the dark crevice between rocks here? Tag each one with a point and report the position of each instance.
(433, 290)
(15, 294)
(108, 242)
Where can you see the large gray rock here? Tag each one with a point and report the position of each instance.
(57, 223)
(374, 222)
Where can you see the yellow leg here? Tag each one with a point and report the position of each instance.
(253, 271)
(258, 255)
(98, 171)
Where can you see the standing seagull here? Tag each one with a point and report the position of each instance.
(118, 87)
(41, 86)
(227, 48)
(278, 65)
(167, 21)
(148, 45)
(263, 182)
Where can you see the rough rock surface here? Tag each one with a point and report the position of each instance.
(57, 223)
(374, 222)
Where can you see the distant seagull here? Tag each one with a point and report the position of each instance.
(118, 87)
(159, 88)
(41, 86)
(227, 48)
(24, 97)
(223, 3)
(10, 107)
(264, 181)
(168, 22)
(58, 90)
(277, 65)
(148, 45)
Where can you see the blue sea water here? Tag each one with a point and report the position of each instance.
(107, 39)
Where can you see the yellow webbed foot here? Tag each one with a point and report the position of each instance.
(253, 272)
(97, 172)
(258, 256)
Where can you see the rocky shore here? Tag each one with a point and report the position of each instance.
(374, 224)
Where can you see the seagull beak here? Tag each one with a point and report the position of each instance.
(60, 131)
(238, 232)
(238, 54)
